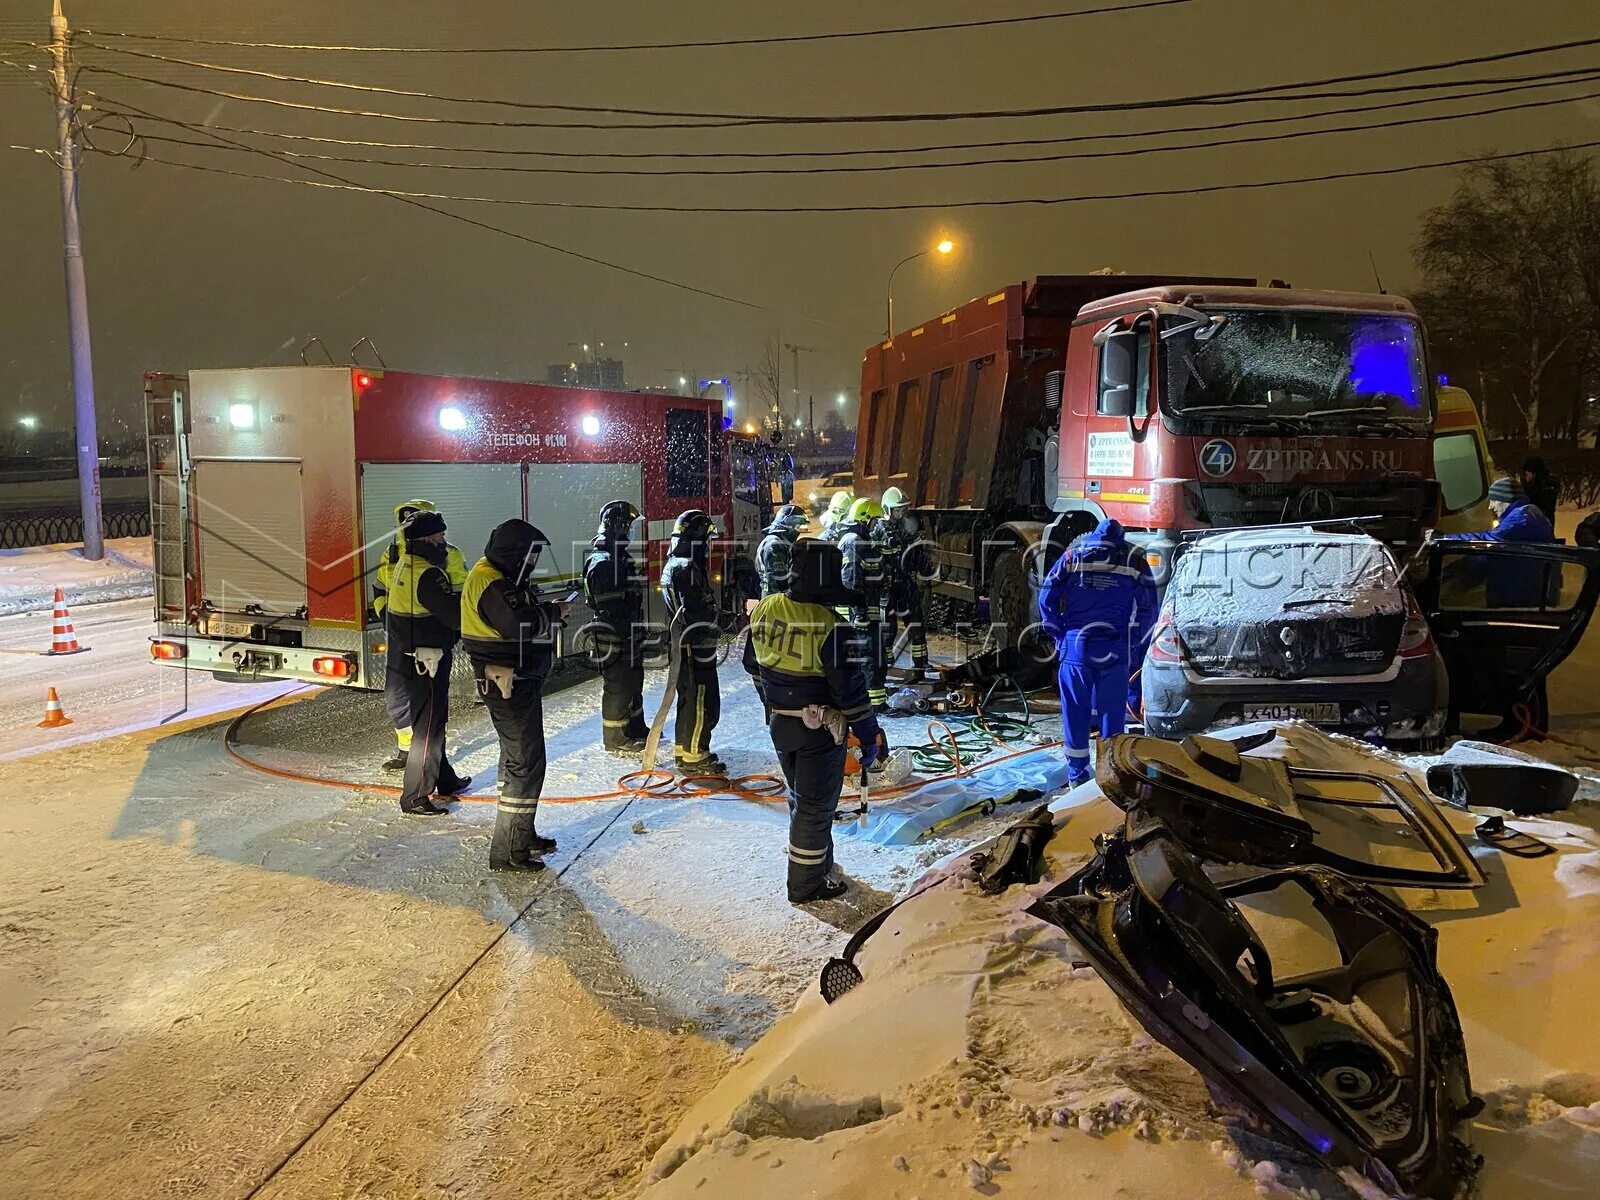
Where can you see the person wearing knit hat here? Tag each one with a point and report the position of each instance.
(1516, 518)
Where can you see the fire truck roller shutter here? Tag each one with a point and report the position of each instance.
(252, 536)
(564, 500)
(474, 498)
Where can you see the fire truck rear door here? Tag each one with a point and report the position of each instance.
(250, 535)
(565, 499)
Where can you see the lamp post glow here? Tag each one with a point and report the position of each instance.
(943, 248)
(30, 423)
(842, 399)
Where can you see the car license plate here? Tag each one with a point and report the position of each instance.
(229, 629)
(1323, 713)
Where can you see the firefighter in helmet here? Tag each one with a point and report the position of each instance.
(805, 664)
(776, 550)
(692, 613)
(508, 631)
(864, 575)
(838, 513)
(424, 618)
(614, 588)
(906, 567)
(394, 681)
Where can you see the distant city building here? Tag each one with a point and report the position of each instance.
(601, 374)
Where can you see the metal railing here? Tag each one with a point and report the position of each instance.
(48, 526)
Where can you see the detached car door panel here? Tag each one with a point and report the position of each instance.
(1505, 614)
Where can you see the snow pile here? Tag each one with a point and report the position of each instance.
(977, 1058)
(30, 576)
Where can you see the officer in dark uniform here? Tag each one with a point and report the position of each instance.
(509, 634)
(777, 548)
(804, 660)
(864, 574)
(906, 566)
(614, 588)
(692, 612)
(395, 685)
(423, 621)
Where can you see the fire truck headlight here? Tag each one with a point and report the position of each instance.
(242, 415)
(452, 420)
(590, 426)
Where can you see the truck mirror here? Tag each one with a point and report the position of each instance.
(1116, 373)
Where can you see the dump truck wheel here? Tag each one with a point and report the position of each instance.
(1010, 598)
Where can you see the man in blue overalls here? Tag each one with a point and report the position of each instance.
(1098, 601)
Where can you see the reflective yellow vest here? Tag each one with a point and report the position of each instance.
(473, 626)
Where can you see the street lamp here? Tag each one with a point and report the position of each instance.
(842, 399)
(30, 423)
(943, 248)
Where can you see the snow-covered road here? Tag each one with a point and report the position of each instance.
(110, 688)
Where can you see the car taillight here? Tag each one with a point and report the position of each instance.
(331, 668)
(1165, 644)
(1416, 639)
(167, 651)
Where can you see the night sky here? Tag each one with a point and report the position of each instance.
(190, 270)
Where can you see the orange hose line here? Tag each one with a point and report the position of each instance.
(657, 784)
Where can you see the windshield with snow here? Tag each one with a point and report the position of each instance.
(1299, 371)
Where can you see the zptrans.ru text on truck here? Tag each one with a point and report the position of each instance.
(273, 492)
(1168, 404)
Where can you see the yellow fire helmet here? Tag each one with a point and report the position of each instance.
(865, 509)
(841, 502)
(892, 499)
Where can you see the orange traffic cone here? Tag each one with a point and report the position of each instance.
(53, 714)
(62, 638)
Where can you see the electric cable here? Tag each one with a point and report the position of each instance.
(617, 47)
(903, 206)
(890, 168)
(594, 260)
(1545, 80)
(1263, 93)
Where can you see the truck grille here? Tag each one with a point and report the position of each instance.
(1403, 509)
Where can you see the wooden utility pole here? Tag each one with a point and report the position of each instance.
(88, 435)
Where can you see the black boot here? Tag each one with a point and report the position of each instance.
(423, 808)
(711, 765)
(455, 785)
(831, 889)
(624, 745)
(396, 761)
(511, 847)
(543, 845)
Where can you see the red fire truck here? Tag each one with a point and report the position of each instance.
(273, 492)
(1167, 403)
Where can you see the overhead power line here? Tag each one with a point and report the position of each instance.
(700, 118)
(891, 168)
(617, 47)
(1533, 82)
(565, 251)
(1008, 202)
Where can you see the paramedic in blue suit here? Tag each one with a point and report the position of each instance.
(1098, 601)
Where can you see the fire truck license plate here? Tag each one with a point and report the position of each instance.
(229, 629)
(1324, 713)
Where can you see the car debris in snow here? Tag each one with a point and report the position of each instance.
(1236, 808)
(1481, 775)
(1362, 1061)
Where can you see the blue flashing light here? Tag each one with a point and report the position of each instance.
(1444, 380)
(1383, 357)
(727, 424)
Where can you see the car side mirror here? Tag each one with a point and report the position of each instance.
(1116, 373)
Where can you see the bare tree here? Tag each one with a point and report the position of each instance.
(768, 380)
(1503, 262)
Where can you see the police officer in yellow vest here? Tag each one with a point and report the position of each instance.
(509, 634)
(808, 667)
(423, 621)
(394, 676)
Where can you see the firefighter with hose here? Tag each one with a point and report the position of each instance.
(906, 566)
(394, 682)
(508, 632)
(805, 663)
(614, 589)
(864, 575)
(775, 554)
(833, 521)
(1097, 601)
(692, 613)
(423, 622)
